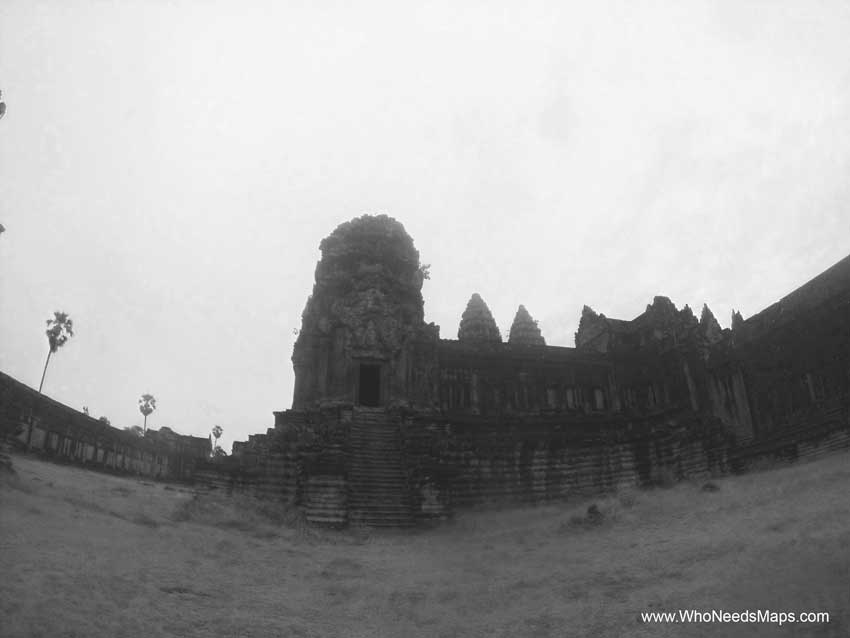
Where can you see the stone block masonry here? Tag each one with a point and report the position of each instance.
(392, 468)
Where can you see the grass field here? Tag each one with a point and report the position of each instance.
(87, 554)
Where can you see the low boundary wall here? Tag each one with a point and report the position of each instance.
(38, 423)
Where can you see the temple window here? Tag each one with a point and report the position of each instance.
(598, 398)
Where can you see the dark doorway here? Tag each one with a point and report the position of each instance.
(370, 385)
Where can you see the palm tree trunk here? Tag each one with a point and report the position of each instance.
(145, 429)
(49, 352)
(30, 425)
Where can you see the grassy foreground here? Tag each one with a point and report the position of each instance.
(86, 554)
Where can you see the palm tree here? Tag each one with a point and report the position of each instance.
(59, 330)
(216, 432)
(147, 404)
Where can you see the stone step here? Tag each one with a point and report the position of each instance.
(371, 443)
(377, 480)
(398, 511)
(388, 474)
(376, 484)
(374, 446)
(373, 431)
(375, 499)
(376, 471)
(363, 426)
(359, 435)
(372, 451)
(385, 478)
(384, 453)
(377, 492)
(318, 519)
(379, 504)
(361, 512)
(377, 458)
(330, 521)
(318, 481)
(372, 517)
(377, 495)
(320, 501)
(367, 465)
(387, 522)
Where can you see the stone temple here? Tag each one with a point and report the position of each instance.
(391, 424)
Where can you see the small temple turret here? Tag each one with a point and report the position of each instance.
(737, 320)
(708, 325)
(524, 330)
(477, 324)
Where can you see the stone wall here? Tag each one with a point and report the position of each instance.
(498, 378)
(467, 461)
(456, 464)
(452, 463)
(302, 461)
(493, 378)
(795, 359)
(61, 433)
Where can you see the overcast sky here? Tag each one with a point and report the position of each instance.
(168, 169)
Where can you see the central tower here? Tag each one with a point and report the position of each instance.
(363, 338)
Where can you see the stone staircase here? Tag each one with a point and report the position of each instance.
(377, 481)
(325, 500)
